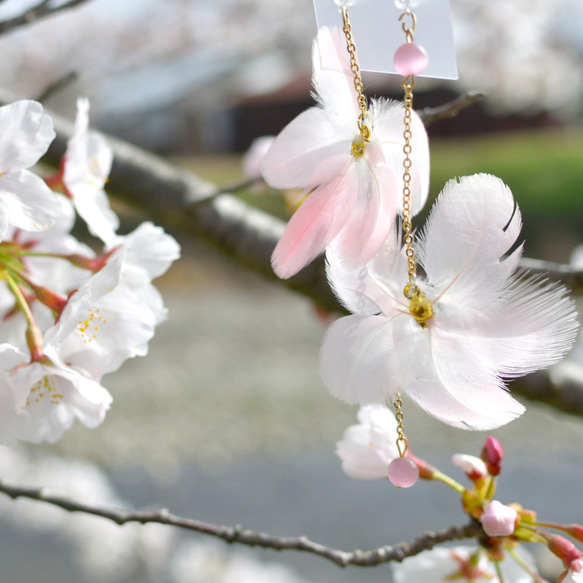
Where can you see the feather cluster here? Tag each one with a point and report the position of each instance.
(354, 186)
(489, 324)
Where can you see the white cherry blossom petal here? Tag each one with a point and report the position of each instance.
(26, 202)
(147, 249)
(367, 449)
(439, 565)
(87, 165)
(55, 397)
(26, 135)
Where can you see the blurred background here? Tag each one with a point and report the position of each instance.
(226, 420)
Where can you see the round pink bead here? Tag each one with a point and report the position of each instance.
(403, 472)
(410, 59)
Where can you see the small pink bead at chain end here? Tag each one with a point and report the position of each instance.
(403, 472)
(410, 59)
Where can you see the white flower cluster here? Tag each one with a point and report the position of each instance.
(69, 315)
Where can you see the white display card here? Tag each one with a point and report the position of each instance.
(378, 33)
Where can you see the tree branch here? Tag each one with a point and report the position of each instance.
(180, 199)
(430, 115)
(57, 86)
(561, 389)
(251, 538)
(41, 10)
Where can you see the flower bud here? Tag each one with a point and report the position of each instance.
(49, 298)
(498, 519)
(34, 340)
(492, 454)
(576, 532)
(426, 472)
(564, 549)
(473, 467)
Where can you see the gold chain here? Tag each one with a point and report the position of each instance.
(407, 85)
(419, 306)
(361, 99)
(402, 443)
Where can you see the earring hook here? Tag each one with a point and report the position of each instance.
(408, 30)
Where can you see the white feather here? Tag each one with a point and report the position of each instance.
(471, 226)
(332, 77)
(489, 324)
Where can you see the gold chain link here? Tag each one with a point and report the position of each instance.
(402, 443)
(361, 99)
(407, 85)
(419, 306)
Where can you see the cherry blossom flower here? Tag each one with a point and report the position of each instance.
(253, 158)
(113, 315)
(42, 267)
(498, 519)
(367, 449)
(353, 184)
(146, 253)
(26, 202)
(489, 323)
(440, 565)
(574, 574)
(110, 318)
(47, 397)
(87, 164)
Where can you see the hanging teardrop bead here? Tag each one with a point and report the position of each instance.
(410, 59)
(403, 472)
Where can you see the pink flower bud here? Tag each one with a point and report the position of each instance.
(492, 454)
(426, 472)
(474, 467)
(564, 549)
(498, 519)
(576, 532)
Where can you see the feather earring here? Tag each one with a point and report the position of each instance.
(451, 338)
(346, 155)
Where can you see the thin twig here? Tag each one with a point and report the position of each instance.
(58, 86)
(240, 535)
(41, 10)
(430, 115)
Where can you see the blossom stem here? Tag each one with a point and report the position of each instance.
(561, 527)
(531, 534)
(526, 566)
(34, 336)
(437, 475)
(47, 296)
(93, 264)
(498, 571)
(490, 489)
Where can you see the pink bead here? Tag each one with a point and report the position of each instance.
(410, 59)
(403, 472)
